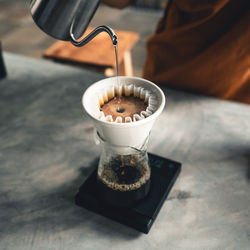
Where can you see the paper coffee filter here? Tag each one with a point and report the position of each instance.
(127, 134)
(110, 92)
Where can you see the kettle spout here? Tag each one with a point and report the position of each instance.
(94, 33)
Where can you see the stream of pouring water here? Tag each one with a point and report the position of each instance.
(117, 76)
(119, 86)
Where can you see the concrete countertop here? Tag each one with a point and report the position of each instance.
(47, 151)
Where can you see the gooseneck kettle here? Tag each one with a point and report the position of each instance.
(68, 19)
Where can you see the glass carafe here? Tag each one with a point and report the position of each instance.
(123, 174)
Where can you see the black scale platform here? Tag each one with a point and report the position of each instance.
(141, 216)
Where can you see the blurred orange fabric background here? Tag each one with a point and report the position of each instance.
(202, 47)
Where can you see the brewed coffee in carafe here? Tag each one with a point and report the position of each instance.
(123, 174)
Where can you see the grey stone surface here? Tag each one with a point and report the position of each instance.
(47, 151)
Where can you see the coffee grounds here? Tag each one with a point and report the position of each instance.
(124, 106)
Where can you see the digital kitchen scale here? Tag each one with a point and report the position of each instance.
(142, 215)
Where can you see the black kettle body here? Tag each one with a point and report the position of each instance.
(68, 19)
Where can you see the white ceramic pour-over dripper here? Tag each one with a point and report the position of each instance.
(133, 134)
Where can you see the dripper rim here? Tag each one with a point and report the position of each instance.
(129, 124)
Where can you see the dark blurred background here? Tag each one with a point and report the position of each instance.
(20, 35)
